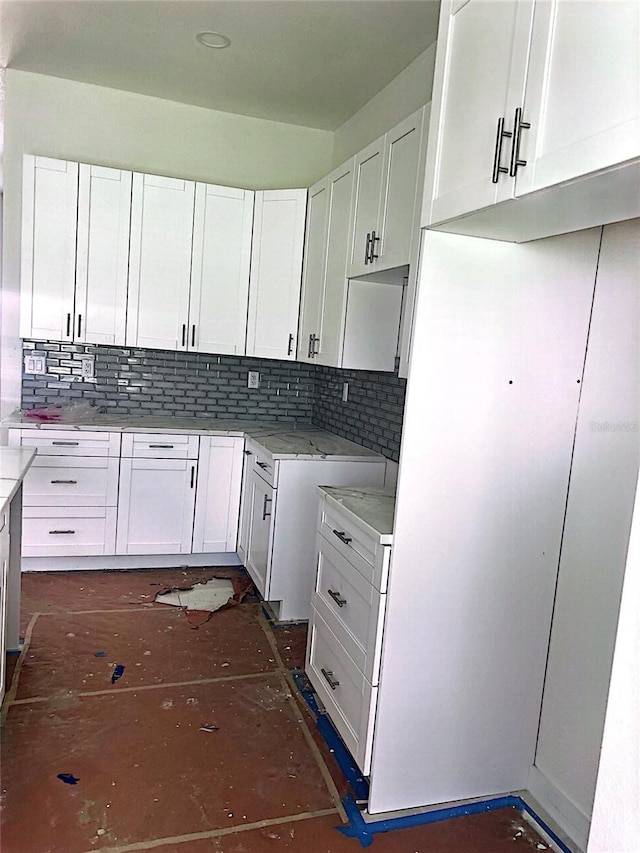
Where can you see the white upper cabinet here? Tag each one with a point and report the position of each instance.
(533, 95)
(276, 270)
(314, 263)
(160, 262)
(386, 193)
(104, 212)
(220, 269)
(75, 251)
(49, 220)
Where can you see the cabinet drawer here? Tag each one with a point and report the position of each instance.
(54, 442)
(351, 607)
(58, 482)
(351, 702)
(167, 446)
(262, 462)
(369, 557)
(79, 531)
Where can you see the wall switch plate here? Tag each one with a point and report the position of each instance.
(88, 367)
(35, 364)
(254, 379)
(345, 392)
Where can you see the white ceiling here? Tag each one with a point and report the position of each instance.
(307, 62)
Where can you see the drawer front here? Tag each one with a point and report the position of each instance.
(80, 531)
(369, 557)
(54, 442)
(160, 446)
(350, 703)
(351, 607)
(262, 462)
(58, 482)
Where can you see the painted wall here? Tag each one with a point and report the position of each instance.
(92, 124)
(405, 94)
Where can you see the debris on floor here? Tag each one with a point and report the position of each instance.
(68, 778)
(117, 673)
(201, 600)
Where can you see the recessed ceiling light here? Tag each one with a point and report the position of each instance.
(213, 40)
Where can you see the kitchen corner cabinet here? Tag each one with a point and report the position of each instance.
(276, 271)
(157, 494)
(215, 527)
(387, 191)
(348, 324)
(75, 251)
(555, 116)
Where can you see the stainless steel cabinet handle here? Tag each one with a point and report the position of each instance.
(339, 600)
(367, 249)
(79, 324)
(343, 537)
(66, 443)
(65, 482)
(248, 452)
(518, 126)
(266, 514)
(332, 681)
(372, 249)
(193, 335)
(193, 475)
(500, 135)
(312, 346)
(263, 465)
(68, 325)
(60, 532)
(315, 349)
(184, 334)
(161, 446)
(290, 347)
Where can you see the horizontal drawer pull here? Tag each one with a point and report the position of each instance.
(60, 532)
(263, 465)
(66, 443)
(64, 482)
(161, 446)
(339, 600)
(331, 680)
(342, 536)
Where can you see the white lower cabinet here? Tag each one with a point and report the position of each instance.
(70, 493)
(346, 626)
(279, 510)
(217, 508)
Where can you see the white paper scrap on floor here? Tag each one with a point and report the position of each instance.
(211, 595)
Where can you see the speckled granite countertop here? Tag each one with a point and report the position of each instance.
(369, 508)
(283, 439)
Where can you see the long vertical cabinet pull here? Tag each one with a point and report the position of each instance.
(367, 250)
(501, 133)
(372, 247)
(518, 127)
(79, 325)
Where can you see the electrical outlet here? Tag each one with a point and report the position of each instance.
(87, 367)
(254, 379)
(345, 392)
(35, 365)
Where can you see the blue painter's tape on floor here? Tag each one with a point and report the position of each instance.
(363, 830)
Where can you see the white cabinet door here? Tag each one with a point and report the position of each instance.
(403, 147)
(366, 224)
(160, 262)
(104, 212)
(261, 509)
(4, 570)
(583, 91)
(155, 508)
(313, 281)
(276, 270)
(220, 269)
(339, 236)
(217, 494)
(479, 81)
(49, 217)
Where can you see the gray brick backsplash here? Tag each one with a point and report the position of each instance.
(137, 381)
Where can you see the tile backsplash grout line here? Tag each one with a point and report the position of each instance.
(134, 381)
